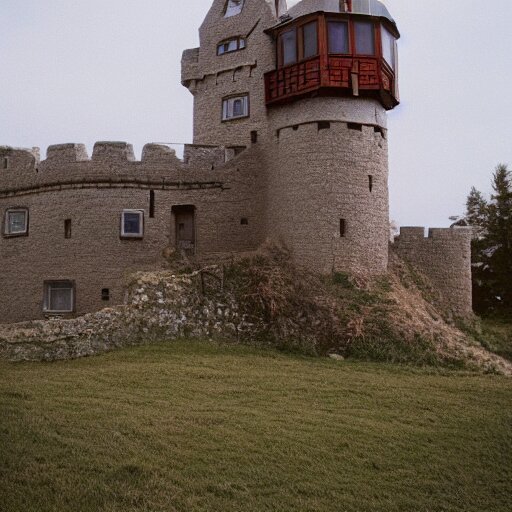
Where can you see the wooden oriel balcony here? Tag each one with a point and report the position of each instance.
(335, 76)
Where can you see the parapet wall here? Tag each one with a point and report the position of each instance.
(445, 257)
(21, 169)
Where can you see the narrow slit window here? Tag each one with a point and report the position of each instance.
(365, 39)
(105, 294)
(254, 137)
(338, 37)
(5, 163)
(151, 204)
(370, 182)
(244, 221)
(67, 228)
(343, 228)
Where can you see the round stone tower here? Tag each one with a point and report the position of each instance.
(335, 78)
(310, 85)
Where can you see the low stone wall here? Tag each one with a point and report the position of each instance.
(159, 306)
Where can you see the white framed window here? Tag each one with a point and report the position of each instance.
(59, 297)
(132, 224)
(16, 222)
(233, 7)
(235, 107)
(231, 45)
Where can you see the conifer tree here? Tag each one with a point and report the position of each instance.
(491, 249)
(499, 237)
(476, 217)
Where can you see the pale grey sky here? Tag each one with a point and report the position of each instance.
(87, 70)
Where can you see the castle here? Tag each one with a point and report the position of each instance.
(290, 144)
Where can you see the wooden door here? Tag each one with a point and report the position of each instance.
(185, 229)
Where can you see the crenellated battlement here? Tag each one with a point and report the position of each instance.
(410, 234)
(22, 170)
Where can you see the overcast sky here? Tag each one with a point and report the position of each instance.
(88, 70)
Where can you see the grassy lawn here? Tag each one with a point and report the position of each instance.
(201, 427)
(497, 336)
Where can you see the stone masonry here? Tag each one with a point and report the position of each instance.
(311, 174)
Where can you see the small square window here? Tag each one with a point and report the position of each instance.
(59, 297)
(16, 222)
(132, 224)
(235, 108)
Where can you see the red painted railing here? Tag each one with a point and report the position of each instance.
(349, 74)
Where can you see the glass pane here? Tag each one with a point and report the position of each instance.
(233, 7)
(238, 109)
(338, 37)
(388, 46)
(220, 49)
(131, 222)
(289, 47)
(60, 297)
(242, 43)
(365, 44)
(17, 222)
(232, 46)
(310, 40)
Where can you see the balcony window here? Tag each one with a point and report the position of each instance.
(132, 224)
(233, 7)
(288, 47)
(310, 40)
(364, 36)
(235, 107)
(388, 46)
(338, 37)
(59, 297)
(16, 222)
(231, 45)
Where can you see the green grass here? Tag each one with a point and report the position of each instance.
(203, 427)
(497, 336)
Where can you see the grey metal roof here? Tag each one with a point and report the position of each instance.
(368, 7)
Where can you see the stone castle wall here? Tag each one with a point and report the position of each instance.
(445, 257)
(312, 173)
(92, 193)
